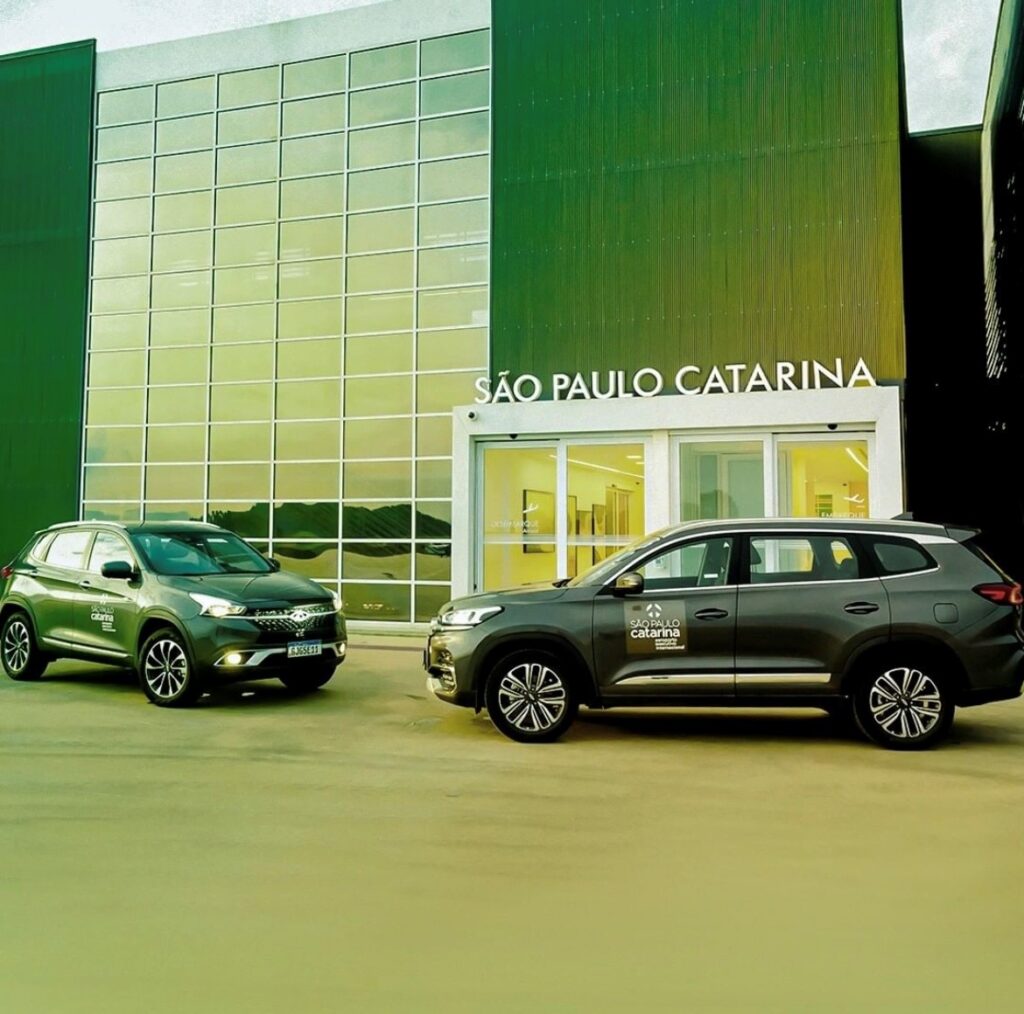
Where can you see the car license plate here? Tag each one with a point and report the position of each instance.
(303, 649)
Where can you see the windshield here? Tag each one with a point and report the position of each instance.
(183, 554)
(600, 572)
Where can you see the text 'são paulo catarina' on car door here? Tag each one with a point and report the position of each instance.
(654, 627)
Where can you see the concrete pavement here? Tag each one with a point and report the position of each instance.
(367, 848)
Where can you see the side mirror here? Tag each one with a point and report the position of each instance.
(629, 583)
(118, 570)
(275, 565)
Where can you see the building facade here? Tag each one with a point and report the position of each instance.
(425, 297)
(1002, 171)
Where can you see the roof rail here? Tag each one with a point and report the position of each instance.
(75, 524)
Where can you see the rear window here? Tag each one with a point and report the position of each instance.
(899, 556)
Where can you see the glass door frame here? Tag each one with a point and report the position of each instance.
(770, 441)
(560, 444)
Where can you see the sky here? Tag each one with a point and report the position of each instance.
(948, 43)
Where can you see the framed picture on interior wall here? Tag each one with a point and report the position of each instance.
(538, 521)
(584, 523)
(570, 516)
(599, 517)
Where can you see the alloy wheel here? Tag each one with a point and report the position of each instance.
(532, 697)
(905, 703)
(166, 668)
(17, 646)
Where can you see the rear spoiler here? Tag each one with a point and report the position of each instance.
(958, 533)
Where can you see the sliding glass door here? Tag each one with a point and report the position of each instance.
(518, 515)
(803, 475)
(605, 507)
(554, 509)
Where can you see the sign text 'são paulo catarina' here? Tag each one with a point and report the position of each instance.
(731, 378)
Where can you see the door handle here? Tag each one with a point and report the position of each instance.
(85, 584)
(710, 614)
(861, 608)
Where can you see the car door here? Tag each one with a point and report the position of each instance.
(806, 599)
(675, 638)
(58, 577)
(106, 611)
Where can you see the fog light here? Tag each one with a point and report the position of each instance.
(233, 658)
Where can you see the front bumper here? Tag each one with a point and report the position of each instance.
(238, 649)
(448, 661)
(266, 662)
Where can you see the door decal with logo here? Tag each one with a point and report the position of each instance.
(103, 614)
(653, 627)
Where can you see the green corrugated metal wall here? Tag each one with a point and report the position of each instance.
(46, 99)
(677, 181)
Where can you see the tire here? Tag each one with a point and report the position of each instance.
(903, 706)
(530, 696)
(166, 672)
(308, 680)
(21, 657)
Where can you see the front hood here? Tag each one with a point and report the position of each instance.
(525, 595)
(254, 590)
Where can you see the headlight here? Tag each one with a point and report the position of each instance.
(338, 604)
(210, 605)
(468, 617)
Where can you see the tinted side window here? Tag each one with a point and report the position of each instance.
(703, 564)
(789, 558)
(899, 556)
(68, 550)
(107, 548)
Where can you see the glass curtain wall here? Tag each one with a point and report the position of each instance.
(289, 294)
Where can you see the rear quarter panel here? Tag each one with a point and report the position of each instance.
(942, 604)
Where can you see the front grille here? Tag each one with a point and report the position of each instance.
(292, 620)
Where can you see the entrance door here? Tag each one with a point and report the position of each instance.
(553, 510)
(605, 506)
(799, 475)
(825, 477)
(518, 523)
(676, 639)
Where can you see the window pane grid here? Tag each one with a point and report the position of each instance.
(167, 185)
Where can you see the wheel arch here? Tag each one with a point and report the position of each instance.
(580, 671)
(18, 606)
(153, 622)
(897, 648)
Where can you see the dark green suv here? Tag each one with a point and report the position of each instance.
(897, 621)
(183, 604)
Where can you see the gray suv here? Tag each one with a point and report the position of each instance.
(183, 604)
(899, 621)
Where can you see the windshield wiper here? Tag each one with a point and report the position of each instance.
(561, 582)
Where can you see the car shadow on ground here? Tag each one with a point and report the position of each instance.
(764, 725)
(222, 697)
(761, 724)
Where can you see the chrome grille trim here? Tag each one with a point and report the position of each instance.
(297, 618)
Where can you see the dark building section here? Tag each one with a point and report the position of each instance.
(46, 101)
(945, 316)
(1003, 210)
(706, 183)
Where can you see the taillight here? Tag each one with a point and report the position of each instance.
(1001, 594)
(6, 572)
